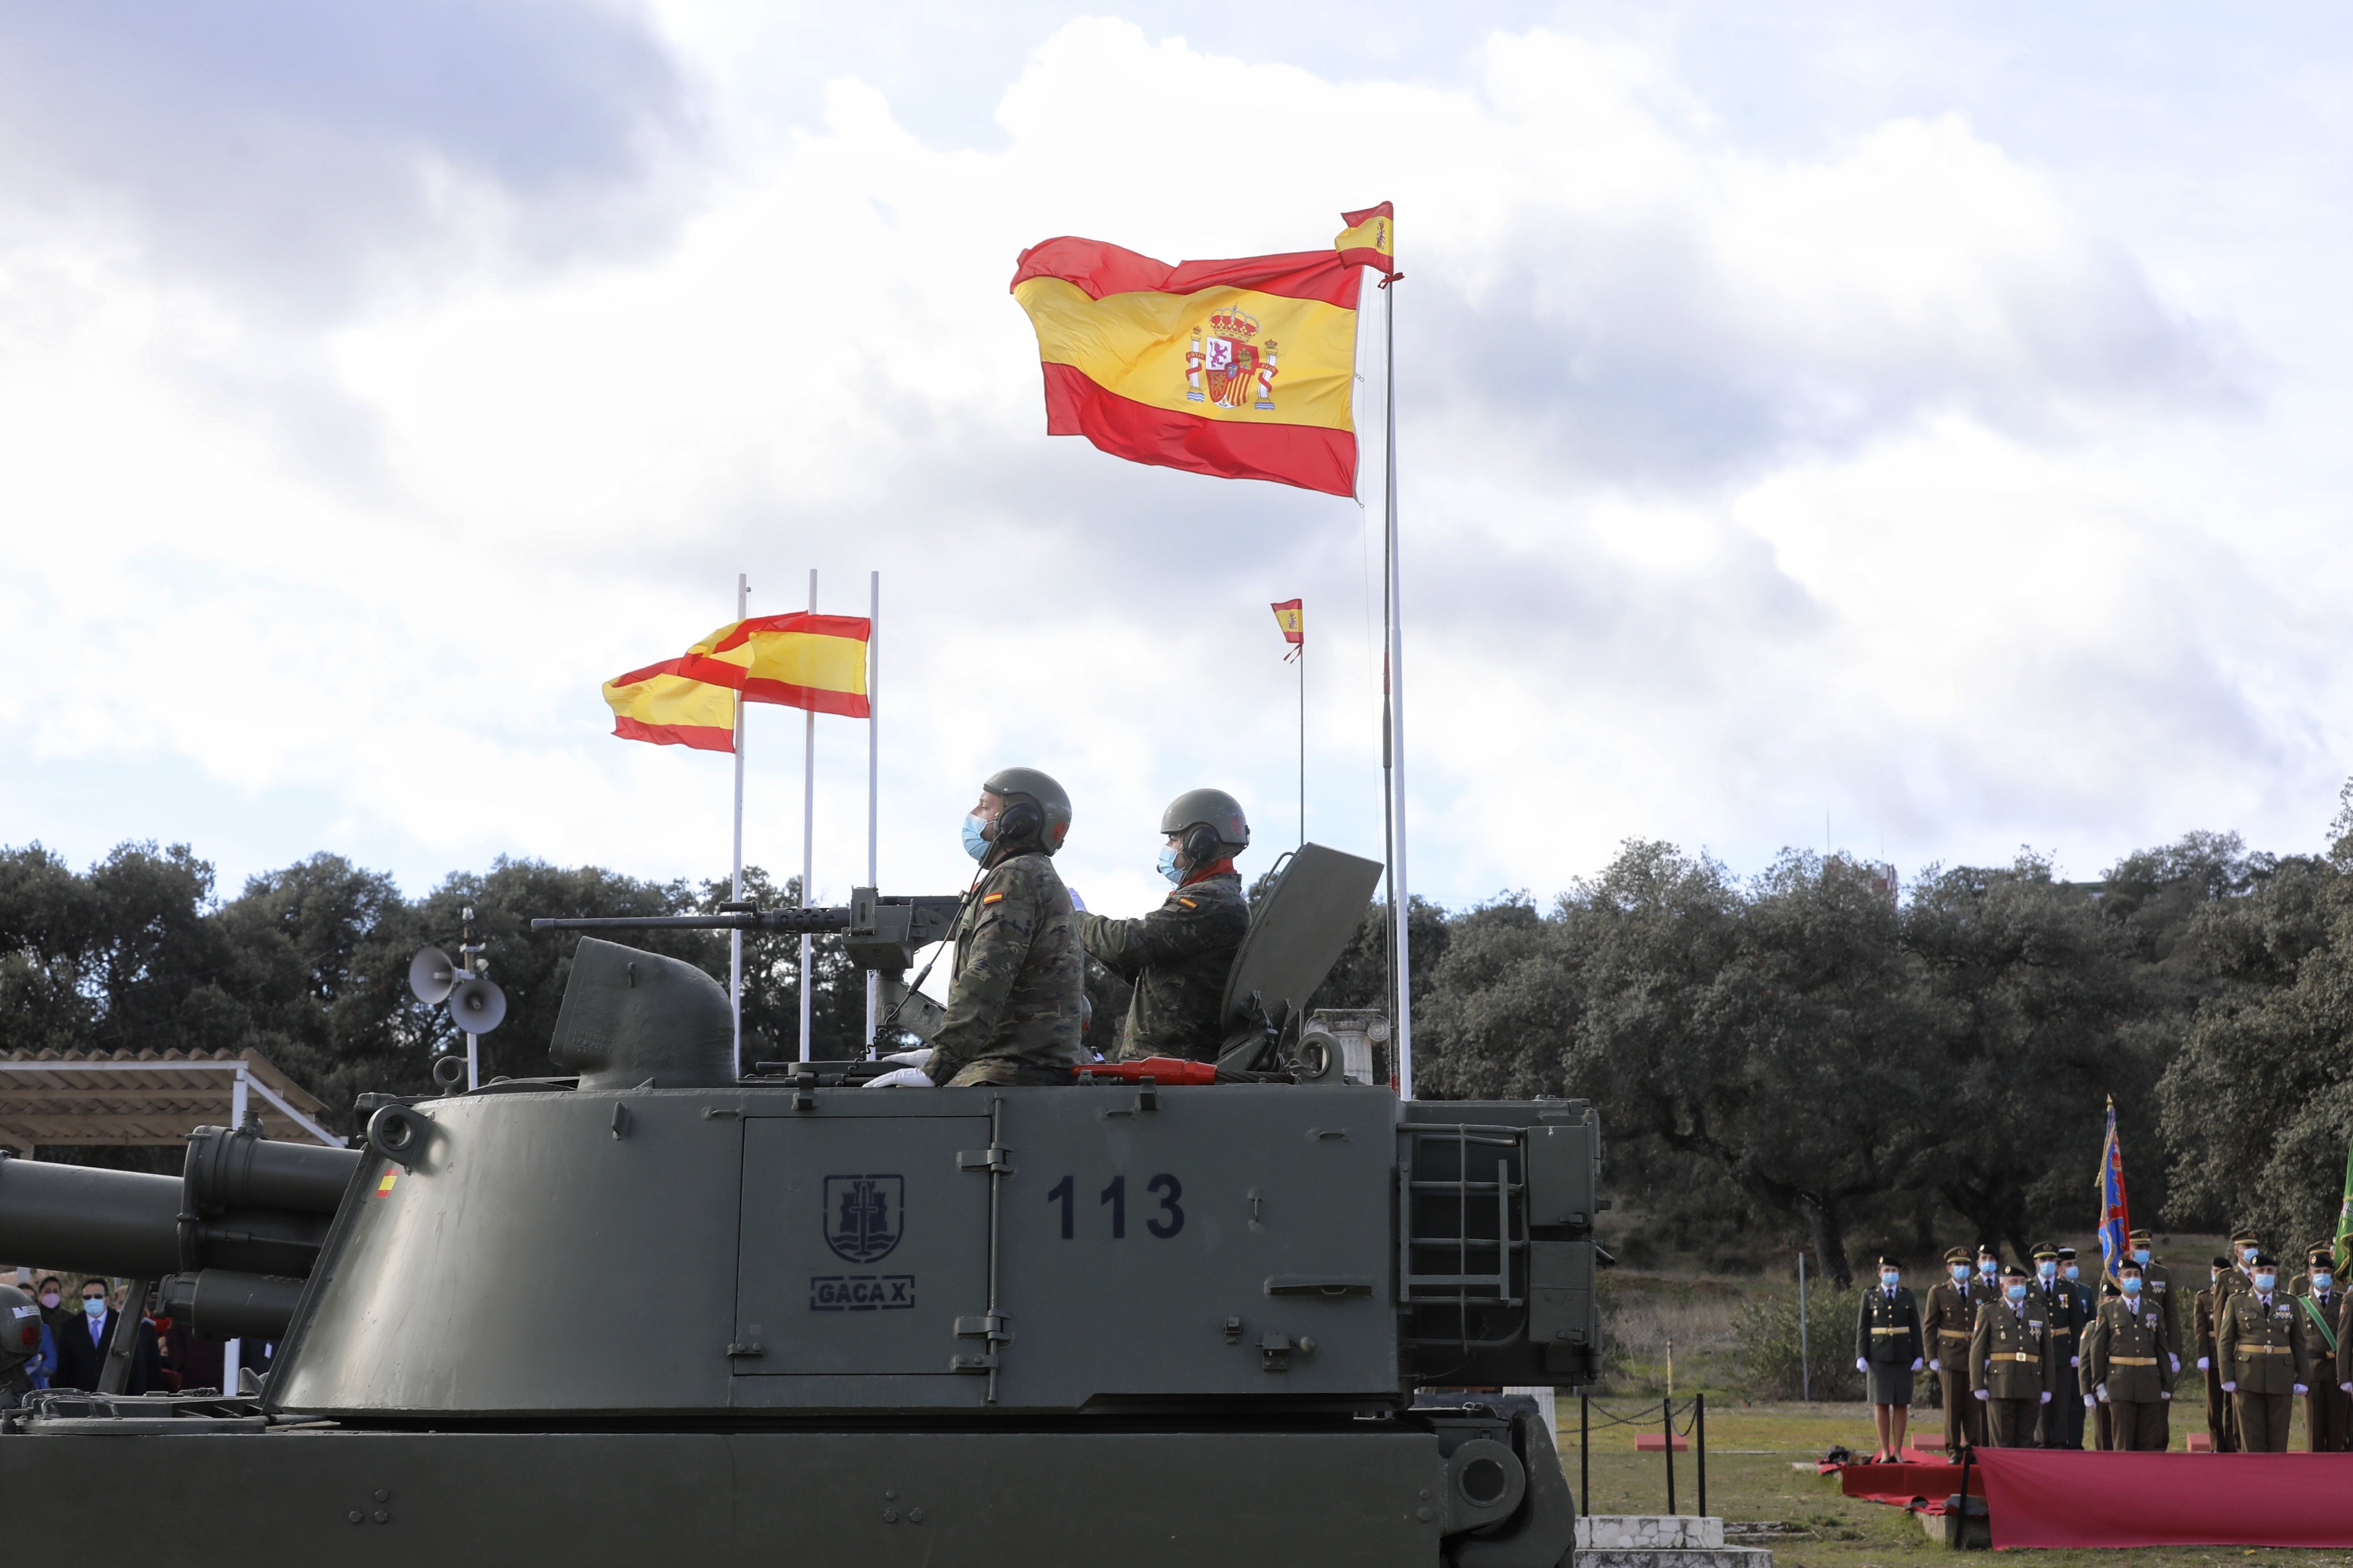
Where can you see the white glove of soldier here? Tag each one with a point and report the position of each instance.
(1916, 1363)
(2089, 1402)
(2300, 1389)
(2177, 1364)
(921, 1057)
(1934, 1365)
(2202, 1363)
(2104, 1394)
(1859, 1365)
(901, 1077)
(1982, 1393)
(2046, 1396)
(2347, 1387)
(2074, 1361)
(2230, 1388)
(2165, 1394)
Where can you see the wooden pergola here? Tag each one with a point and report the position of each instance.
(147, 1097)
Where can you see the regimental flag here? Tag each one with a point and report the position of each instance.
(1292, 617)
(1241, 369)
(2345, 1218)
(798, 660)
(2116, 1229)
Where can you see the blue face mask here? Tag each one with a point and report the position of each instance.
(1987, 1266)
(2140, 1256)
(2265, 1281)
(2323, 1281)
(1888, 1277)
(976, 837)
(95, 1306)
(1168, 865)
(2017, 1292)
(2132, 1286)
(2049, 1271)
(1961, 1273)
(2074, 1272)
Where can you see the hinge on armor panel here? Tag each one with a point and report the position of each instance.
(994, 1329)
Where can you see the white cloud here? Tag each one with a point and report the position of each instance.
(1738, 487)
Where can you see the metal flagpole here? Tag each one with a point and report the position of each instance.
(1400, 901)
(873, 773)
(809, 841)
(1303, 729)
(736, 938)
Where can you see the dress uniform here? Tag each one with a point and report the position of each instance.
(1945, 1323)
(2244, 1248)
(2010, 1363)
(2318, 1310)
(2125, 1366)
(2261, 1355)
(2221, 1429)
(2068, 1322)
(2158, 1289)
(1887, 1350)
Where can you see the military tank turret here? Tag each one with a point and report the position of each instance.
(654, 1310)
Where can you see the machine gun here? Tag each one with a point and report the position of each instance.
(880, 934)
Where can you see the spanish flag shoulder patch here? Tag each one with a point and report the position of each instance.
(1189, 903)
(992, 898)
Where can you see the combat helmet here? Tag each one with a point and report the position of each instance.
(1049, 800)
(1213, 810)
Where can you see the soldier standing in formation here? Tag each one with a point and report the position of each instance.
(2125, 1365)
(2063, 1419)
(2262, 1354)
(2010, 1368)
(1947, 1322)
(1178, 956)
(2158, 1289)
(2221, 1430)
(2322, 1310)
(1018, 984)
(1888, 1349)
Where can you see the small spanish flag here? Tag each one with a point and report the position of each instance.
(798, 660)
(1291, 617)
(1370, 239)
(664, 707)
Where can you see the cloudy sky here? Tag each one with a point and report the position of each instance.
(1919, 429)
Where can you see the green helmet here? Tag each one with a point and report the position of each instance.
(1020, 786)
(1214, 809)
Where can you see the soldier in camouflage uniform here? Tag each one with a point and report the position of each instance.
(1178, 956)
(1018, 984)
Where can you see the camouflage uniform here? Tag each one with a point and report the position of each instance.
(1177, 957)
(1017, 984)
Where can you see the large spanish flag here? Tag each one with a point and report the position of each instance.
(1241, 369)
(799, 661)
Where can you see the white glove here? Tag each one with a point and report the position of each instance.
(2230, 1388)
(2074, 1361)
(2103, 1392)
(2165, 1394)
(2300, 1389)
(2177, 1362)
(1916, 1363)
(2089, 1402)
(2046, 1396)
(1982, 1393)
(2347, 1387)
(2201, 1364)
(1935, 1366)
(902, 1077)
(1859, 1365)
(921, 1057)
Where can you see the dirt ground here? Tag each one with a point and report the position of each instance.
(1751, 1449)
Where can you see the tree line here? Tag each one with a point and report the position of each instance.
(1804, 1052)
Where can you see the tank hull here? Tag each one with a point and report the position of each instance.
(1038, 1500)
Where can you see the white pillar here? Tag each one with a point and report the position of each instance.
(236, 1099)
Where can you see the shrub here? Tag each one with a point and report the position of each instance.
(1767, 1328)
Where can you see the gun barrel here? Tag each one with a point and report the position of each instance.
(816, 921)
(93, 1221)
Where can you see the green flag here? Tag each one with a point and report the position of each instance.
(2345, 1217)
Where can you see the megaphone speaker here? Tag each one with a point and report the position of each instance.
(479, 1006)
(431, 974)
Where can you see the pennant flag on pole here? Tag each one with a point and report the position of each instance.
(2116, 1229)
(798, 660)
(1370, 240)
(1290, 616)
(1241, 369)
(2345, 1218)
(663, 707)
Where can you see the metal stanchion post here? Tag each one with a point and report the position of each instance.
(1585, 1449)
(1667, 1423)
(1699, 1446)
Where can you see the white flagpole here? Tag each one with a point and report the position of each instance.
(873, 773)
(1400, 901)
(808, 842)
(736, 938)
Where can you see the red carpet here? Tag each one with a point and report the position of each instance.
(2063, 1498)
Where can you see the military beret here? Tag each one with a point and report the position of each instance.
(1889, 1260)
(1957, 1255)
(1986, 1249)
(2321, 1255)
(2221, 1263)
(2044, 1250)
(2009, 1268)
(2127, 1263)
(2264, 1260)
(2108, 1287)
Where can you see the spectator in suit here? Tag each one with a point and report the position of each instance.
(81, 1350)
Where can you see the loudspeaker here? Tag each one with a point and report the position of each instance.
(431, 974)
(478, 1006)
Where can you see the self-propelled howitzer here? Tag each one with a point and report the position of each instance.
(653, 1309)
